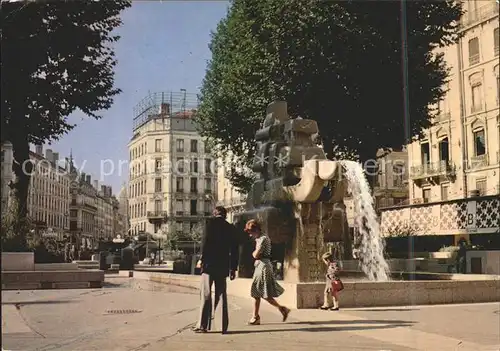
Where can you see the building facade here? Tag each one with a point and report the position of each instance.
(172, 174)
(48, 193)
(456, 164)
(228, 196)
(391, 183)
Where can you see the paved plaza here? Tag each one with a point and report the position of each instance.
(134, 315)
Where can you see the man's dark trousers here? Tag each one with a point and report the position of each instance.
(205, 318)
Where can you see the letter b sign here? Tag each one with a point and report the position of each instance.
(470, 219)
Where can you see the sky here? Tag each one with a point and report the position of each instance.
(163, 47)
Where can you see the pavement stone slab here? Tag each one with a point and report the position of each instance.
(163, 315)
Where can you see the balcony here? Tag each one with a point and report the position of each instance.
(473, 59)
(157, 214)
(481, 14)
(434, 172)
(479, 161)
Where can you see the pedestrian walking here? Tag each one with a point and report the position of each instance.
(264, 284)
(219, 259)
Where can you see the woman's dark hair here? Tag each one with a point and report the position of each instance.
(252, 226)
(220, 211)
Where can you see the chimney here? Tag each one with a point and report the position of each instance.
(110, 191)
(55, 156)
(88, 178)
(66, 164)
(39, 150)
(103, 190)
(96, 184)
(164, 109)
(49, 155)
(82, 177)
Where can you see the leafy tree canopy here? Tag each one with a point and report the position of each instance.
(339, 63)
(57, 57)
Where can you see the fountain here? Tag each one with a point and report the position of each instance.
(298, 198)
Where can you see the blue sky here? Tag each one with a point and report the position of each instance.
(163, 47)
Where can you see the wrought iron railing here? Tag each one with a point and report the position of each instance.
(482, 13)
(432, 169)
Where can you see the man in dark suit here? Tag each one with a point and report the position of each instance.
(219, 259)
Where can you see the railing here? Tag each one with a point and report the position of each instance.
(443, 116)
(157, 214)
(496, 50)
(432, 169)
(473, 59)
(478, 161)
(475, 109)
(484, 12)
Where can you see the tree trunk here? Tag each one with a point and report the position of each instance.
(22, 168)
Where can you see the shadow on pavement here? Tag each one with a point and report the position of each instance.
(47, 302)
(368, 321)
(388, 325)
(383, 309)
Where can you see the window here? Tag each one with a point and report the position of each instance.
(158, 206)
(473, 51)
(498, 88)
(207, 146)
(179, 184)
(194, 145)
(479, 142)
(444, 192)
(477, 99)
(207, 207)
(179, 207)
(193, 210)
(208, 185)
(495, 40)
(73, 213)
(397, 175)
(444, 150)
(426, 194)
(194, 185)
(194, 165)
(180, 164)
(158, 165)
(157, 145)
(180, 145)
(158, 185)
(178, 226)
(157, 227)
(481, 186)
(208, 164)
(425, 153)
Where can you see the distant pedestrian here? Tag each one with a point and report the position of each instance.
(219, 258)
(333, 284)
(264, 284)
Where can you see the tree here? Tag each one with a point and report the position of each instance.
(57, 57)
(339, 63)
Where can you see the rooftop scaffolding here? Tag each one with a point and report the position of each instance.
(165, 104)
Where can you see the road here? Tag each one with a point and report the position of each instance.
(135, 315)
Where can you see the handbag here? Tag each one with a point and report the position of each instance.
(337, 285)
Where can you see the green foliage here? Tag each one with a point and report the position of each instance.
(339, 63)
(57, 57)
(14, 231)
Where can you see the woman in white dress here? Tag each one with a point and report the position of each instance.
(264, 284)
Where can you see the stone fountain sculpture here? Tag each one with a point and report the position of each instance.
(298, 196)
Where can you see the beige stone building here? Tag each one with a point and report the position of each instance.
(458, 158)
(391, 183)
(48, 194)
(228, 195)
(172, 181)
(122, 217)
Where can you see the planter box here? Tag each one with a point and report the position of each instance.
(18, 261)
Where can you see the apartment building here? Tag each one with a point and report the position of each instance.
(391, 182)
(228, 196)
(48, 193)
(6, 175)
(172, 175)
(93, 213)
(455, 167)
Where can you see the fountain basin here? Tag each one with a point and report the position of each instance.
(458, 288)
